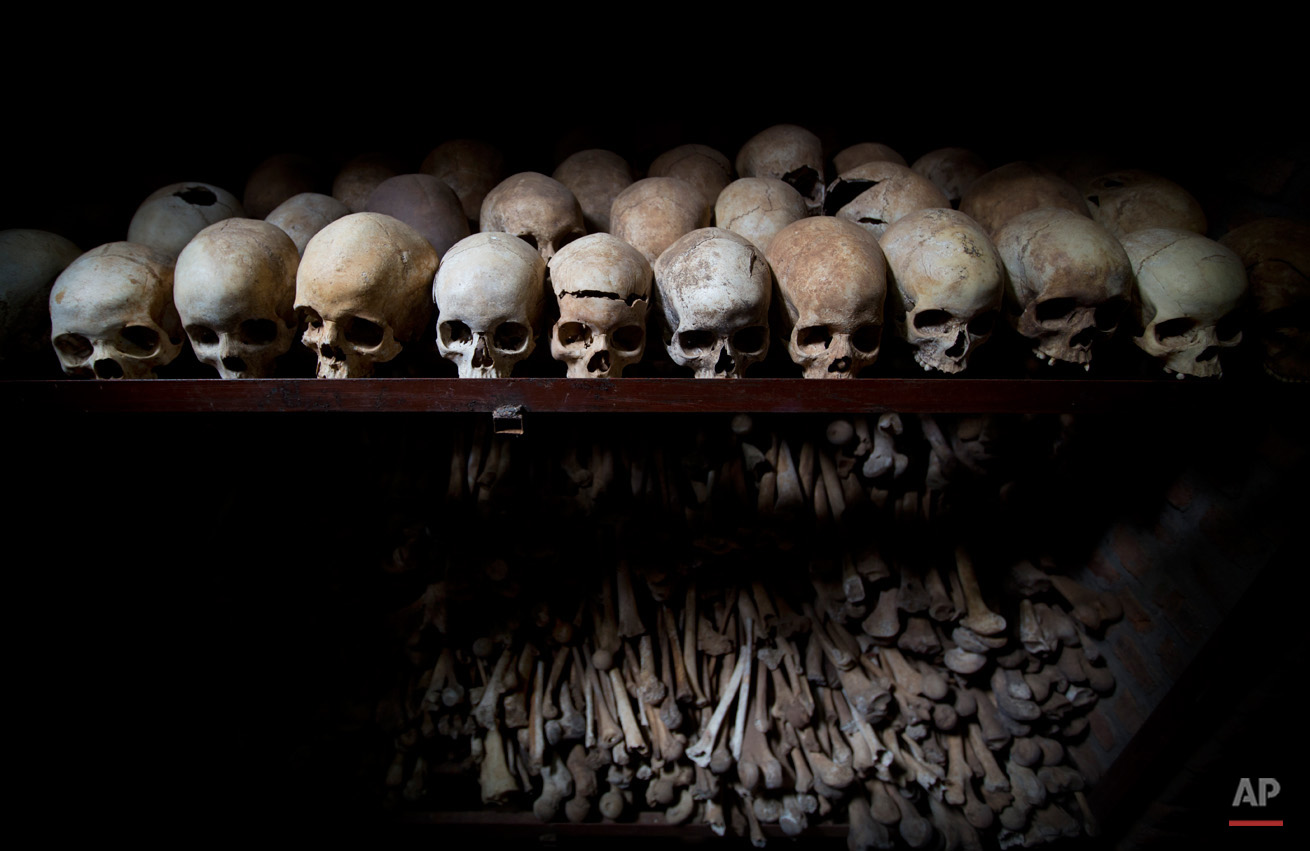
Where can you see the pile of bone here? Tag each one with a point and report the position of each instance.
(739, 706)
(461, 255)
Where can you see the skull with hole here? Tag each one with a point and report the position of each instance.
(876, 194)
(655, 211)
(757, 208)
(832, 280)
(1276, 254)
(713, 288)
(603, 288)
(946, 283)
(112, 313)
(489, 292)
(1189, 288)
(235, 289)
(363, 292)
(789, 153)
(171, 215)
(1068, 282)
(537, 209)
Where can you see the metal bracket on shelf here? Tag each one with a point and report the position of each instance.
(507, 419)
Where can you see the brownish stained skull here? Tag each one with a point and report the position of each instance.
(424, 203)
(1132, 199)
(537, 209)
(790, 153)
(758, 207)
(654, 212)
(952, 170)
(700, 165)
(603, 288)
(468, 166)
(595, 177)
(1005, 192)
(876, 194)
(1276, 254)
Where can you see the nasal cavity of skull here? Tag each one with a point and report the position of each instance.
(511, 336)
(455, 333)
(574, 333)
(1172, 328)
(257, 332)
(599, 362)
(750, 341)
(74, 346)
(959, 346)
(1084, 338)
(725, 362)
(362, 333)
(1053, 309)
(232, 363)
(106, 368)
(138, 341)
(813, 338)
(197, 196)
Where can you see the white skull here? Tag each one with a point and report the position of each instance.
(170, 216)
(714, 288)
(112, 314)
(654, 212)
(603, 288)
(877, 194)
(789, 153)
(235, 289)
(1189, 289)
(832, 279)
(946, 282)
(1276, 254)
(489, 292)
(363, 289)
(757, 208)
(595, 177)
(538, 209)
(304, 215)
(1068, 282)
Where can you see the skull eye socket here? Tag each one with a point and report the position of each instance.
(695, 341)
(511, 336)
(257, 332)
(1108, 315)
(813, 338)
(628, 338)
(1176, 327)
(202, 336)
(363, 334)
(751, 341)
(866, 338)
(573, 333)
(138, 341)
(1229, 327)
(529, 239)
(1053, 309)
(982, 324)
(931, 319)
(454, 333)
(74, 346)
(309, 318)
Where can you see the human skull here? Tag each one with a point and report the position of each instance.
(1189, 289)
(705, 168)
(469, 167)
(595, 177)
(30, 260)
(363, 290)
(168, 217)
(1068, 282)
(537, 209)
(235, 289)
(946, 283)
(489, 293)
(865, 152)
(952, 170)
(1131, 199)
(714, 289)
(360, 176)
(112, 313)
(1276, 254)
(832, 279)
(603, 288)
(876, 194)
(757, 208)
(304, 215)
(424, 203)
(276, 179)
(789, 153)
(654, 212)
(1014, 188)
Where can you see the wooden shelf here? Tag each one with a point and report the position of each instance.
(647, 395)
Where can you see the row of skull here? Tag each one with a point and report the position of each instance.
(366, 284)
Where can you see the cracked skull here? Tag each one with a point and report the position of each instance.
(1189, 289)
(714, 289)
(171, 215)
(1068, 282)
(363, 291)
(489, 292)
(946, 282)
(789, 153)
(112, 313)
(235, 291)
(538, 209)
(603, 287)
(832, 280)
(876, 194)
(652, 213)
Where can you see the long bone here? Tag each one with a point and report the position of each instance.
(700, 752)
(980, 619)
